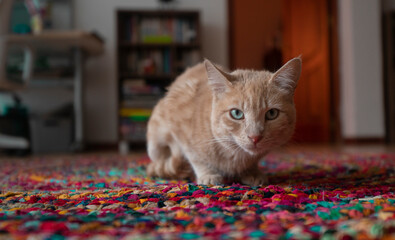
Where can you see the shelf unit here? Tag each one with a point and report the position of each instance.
(153, 48)
(80, 44)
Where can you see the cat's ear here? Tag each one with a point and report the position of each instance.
(286, 78)
(217, 79)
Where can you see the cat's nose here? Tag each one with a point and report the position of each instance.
(255, 139)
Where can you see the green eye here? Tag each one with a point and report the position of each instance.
(236, 114)
(272, 114)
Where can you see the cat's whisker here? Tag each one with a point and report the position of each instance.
(222, 142)
(208, 142)
(236, 150)
(213, 140)
(231, 146)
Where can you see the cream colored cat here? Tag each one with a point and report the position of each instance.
(215, 125)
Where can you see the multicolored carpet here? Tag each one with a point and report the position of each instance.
(314, 194)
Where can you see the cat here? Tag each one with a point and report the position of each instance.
(215, 125)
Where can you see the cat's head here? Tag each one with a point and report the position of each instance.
(253, 110)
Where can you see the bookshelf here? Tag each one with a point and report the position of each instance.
(153, 48)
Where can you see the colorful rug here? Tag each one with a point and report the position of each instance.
(315, 194)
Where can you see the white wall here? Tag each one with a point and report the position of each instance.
(100, 78)
(362, 106)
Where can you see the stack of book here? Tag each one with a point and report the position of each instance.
(152, 62)
(134, 123)
(160, 30)
(139, 100)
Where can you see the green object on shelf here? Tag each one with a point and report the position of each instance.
(139, 118)
(157, 39)
(20, 18)
(135, 112)
(21, 29)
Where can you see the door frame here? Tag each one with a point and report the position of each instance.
(388, 23)
(231, 10)
(335, 128)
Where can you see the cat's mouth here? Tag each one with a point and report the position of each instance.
(254, 149)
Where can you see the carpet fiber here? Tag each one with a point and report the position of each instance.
(313, 194)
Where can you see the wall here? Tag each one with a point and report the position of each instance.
(100, 78)
(362, 106)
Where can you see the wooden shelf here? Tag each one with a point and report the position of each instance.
(158, 45)
(147, 76)
(160, 13)
(58, 40)
(52, 82)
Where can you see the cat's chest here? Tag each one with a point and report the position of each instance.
(229, 161)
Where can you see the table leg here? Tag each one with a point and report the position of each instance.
(78, 100)
(3, 56)
(123, 147)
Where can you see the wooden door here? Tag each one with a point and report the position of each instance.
(253, 24)
(306, 32)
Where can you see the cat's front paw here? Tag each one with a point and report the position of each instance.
(213, 179)
(254, 180)
(151, 170)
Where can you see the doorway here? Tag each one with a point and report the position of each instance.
(265, 34)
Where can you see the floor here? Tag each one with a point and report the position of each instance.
(314, 191)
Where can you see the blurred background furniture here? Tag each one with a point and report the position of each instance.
(80, 44)
(154, 47)
(9, 141)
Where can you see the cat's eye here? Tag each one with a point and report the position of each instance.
(272, 114)
(236, 114)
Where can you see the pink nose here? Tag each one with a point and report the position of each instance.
(255, 139)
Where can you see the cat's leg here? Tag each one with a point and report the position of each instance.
(159, 154)
(253, 177)
(167, 160)
(157, 147)
(180, 167)
(206, 174)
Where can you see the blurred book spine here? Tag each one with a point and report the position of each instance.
(160, 30)
(154, 61)
(134, 123)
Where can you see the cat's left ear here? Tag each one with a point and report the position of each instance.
(217, 79)
(287, 76)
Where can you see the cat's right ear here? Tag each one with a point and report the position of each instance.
(217, 79)
(287, 77)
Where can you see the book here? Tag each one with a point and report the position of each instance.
(160, 30)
